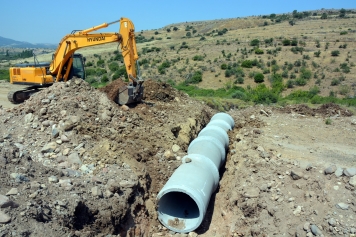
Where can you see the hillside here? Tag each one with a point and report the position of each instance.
(10, 43)
(306, 50)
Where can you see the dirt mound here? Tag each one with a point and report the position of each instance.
(107, 161)
(113, 89)
(153, 91)
(326, 110)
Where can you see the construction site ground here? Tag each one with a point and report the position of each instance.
(74, 163)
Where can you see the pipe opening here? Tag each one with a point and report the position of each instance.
(179, 211)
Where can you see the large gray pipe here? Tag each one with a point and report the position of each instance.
(183, 200)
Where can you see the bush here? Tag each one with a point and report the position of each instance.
(259, 77)
(246, 64)
(195, 78)
(114, 66)
(223, 66)
(335, 82)
(198, 58)
(121, 72)
(286, 42)
(258, 51)
(335, 53)
(255, 42)
(100, 63)
(290, 84)
(300, 82)
(240, 80)
(105, 79)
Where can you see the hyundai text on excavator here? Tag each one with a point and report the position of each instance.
(66, 64)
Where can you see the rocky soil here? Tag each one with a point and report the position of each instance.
(74, 163)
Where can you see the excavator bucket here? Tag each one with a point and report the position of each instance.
(130, 94)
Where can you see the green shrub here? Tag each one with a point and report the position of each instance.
(300, 82)
(100, 63)
(343, 33)
(4, 74)
(246, 64)
(335, 82)
(198, 58)
(114, 66)
(195, 78)
(259, 77)
(290, 84)
(259, 51)
(223, 66)
(335, 53)
(286, 42)
(255, 42)
(240, 80)
(105, 79)
(121, 72)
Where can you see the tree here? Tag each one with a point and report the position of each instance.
(188, 34)
(168, 30)
(259, 77)
(291, 22)
(175, 28)
(342, 12)
(324, 16)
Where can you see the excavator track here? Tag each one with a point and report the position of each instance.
(17, 97)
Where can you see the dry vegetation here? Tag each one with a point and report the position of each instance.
(170, 54)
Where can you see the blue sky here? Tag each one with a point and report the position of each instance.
(43, 21)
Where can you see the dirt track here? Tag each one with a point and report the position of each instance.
(84, 166)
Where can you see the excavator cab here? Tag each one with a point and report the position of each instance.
(77, 69)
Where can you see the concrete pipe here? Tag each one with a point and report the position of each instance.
(183, 201)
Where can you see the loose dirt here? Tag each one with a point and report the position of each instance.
(74, 163)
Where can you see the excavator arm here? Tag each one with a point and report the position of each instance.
(62, 58)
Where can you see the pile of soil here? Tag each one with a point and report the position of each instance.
(74, 163)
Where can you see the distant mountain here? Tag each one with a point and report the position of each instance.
(5, 42)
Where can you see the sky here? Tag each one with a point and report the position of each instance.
(43, 21)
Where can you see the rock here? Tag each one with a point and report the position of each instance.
(127, 184)
(330, 169)
(45, 123)
(169, 155)
(28, 118)
(353, 230)
(350, 172)
(49, 147)
(192, 234)
(353, 181)
(46, 101)
(96, 191)
(332, 222)
(296, 174)
(297, 211)
(338, 172)
(53, 179)
(252, 193)
(64, 138)
(264, 187)
(55, 131)
(125, 108)
(308, 167)
(74, 159)
(66, 151)
(4, 218)
(12, 191)
(175, 148)
(306, 226)
(43, 111)
(315, 230)
(342, 206)
(5, 202)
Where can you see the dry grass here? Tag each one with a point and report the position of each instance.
(240, 33)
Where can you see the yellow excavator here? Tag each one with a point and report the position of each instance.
(67, 64)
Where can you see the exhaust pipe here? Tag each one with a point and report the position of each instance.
(183, 201)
